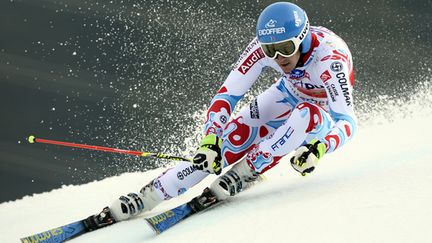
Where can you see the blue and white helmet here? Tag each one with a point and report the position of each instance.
(283, 21)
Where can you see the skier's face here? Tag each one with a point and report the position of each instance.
(288, 63)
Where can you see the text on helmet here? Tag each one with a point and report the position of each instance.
(271, 31)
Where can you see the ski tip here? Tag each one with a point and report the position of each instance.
(153, 226)
(31, 139)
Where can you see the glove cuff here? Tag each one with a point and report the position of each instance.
(211, 139)
(318, 148)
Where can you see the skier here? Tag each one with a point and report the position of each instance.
(308, 110)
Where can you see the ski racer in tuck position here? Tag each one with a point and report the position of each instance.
(309, 110)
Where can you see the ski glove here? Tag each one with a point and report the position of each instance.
(208, 156)
(306, 157)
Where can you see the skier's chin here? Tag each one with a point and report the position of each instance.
(287, 64)
(287, 68)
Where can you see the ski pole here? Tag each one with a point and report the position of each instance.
(33, 139)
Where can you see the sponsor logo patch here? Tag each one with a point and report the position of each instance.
(185, 172)
(297, 19)
(336, 66)
(325, 76)
(343, 83)
(158, 185)
(271, 31)
(223, 119)
(251, 60)
(281, 141)
(332, 92)
(254, 112)
(304, 32)
(297, 74)
(271, 24)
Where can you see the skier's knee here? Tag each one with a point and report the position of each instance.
(311, 114)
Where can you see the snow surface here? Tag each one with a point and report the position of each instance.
(376, 189)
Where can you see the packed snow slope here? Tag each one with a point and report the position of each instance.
(375, 189)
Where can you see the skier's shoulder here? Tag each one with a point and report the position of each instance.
(250, 56)
(327, 39)
(329, 44)
(252, 48)
(253, 45)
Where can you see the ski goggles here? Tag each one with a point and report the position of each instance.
(285, 48)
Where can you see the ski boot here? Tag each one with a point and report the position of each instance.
(237, 179)
(133, 204)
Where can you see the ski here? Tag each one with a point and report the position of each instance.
(205, 201)
(158, 223)
(72, 230)
(59, 234)
(169, 218)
